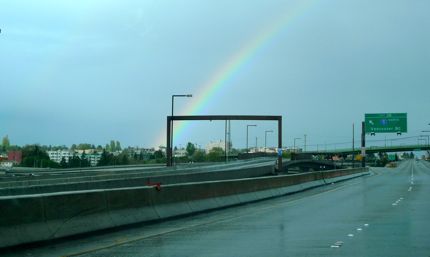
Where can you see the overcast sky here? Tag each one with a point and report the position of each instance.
(92, 71)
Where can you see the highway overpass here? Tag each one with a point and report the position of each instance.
(373, 149)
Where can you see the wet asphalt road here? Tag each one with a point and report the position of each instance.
(385, 214)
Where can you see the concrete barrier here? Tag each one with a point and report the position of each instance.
(136, 181)
(63, 178)
(30, 218)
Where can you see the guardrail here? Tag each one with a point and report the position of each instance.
(31, 218)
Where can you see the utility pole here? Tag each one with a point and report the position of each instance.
(265, 139)
(247, 128)
(225, 142)
(296, 138)
(227, 139)
(353, 148)
(172, 156)
(363, 145)
(305, 143)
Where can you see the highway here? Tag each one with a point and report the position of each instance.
(383, 214)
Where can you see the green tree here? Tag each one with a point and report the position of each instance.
(158, 154)
(5, 143)
(191, 149)
(84, 161)
(35, 156)
(105, 159)
(383, 159)
(84, 146)
(215, 154)
(63, 163)
(112, 146)
(14, 148)
(117, 146)
(74, 162)
(199, 156)
(123, 159)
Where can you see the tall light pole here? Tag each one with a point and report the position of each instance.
(247, 128)
(428, 137)
(296, 138)
(171, 124)
(353, 146)
(265, 138)
(305, 142)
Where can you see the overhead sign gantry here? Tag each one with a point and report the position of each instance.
(381, 123)
(171, 119)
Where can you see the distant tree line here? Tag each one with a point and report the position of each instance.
(108, 159)
(216, 154)
(75, 162)
(35, 156)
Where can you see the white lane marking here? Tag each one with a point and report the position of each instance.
(359, 229)
(351, 235)
(394, 204)
(410, 189)
(401, 198)
(366, 225)
(339, 243)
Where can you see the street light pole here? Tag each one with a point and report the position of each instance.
(265, 138)
(353, 146)
(171, 125)
(295, 150)
(247, 128)
(428, 138)
(305, 143)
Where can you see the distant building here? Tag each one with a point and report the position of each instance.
(220, 144)
(86, 151)
(263, 150)
(162, 149)
(137, 152)
(180, 153)
(93, 158)
(3, 157)
(15, 156)
(91, 155)
(58, 155)
(6, 164)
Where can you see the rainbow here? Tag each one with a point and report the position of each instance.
(233, 66)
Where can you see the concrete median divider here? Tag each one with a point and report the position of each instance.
(134, 180)
(40, 217)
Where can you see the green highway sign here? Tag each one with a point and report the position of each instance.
(386, 122)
